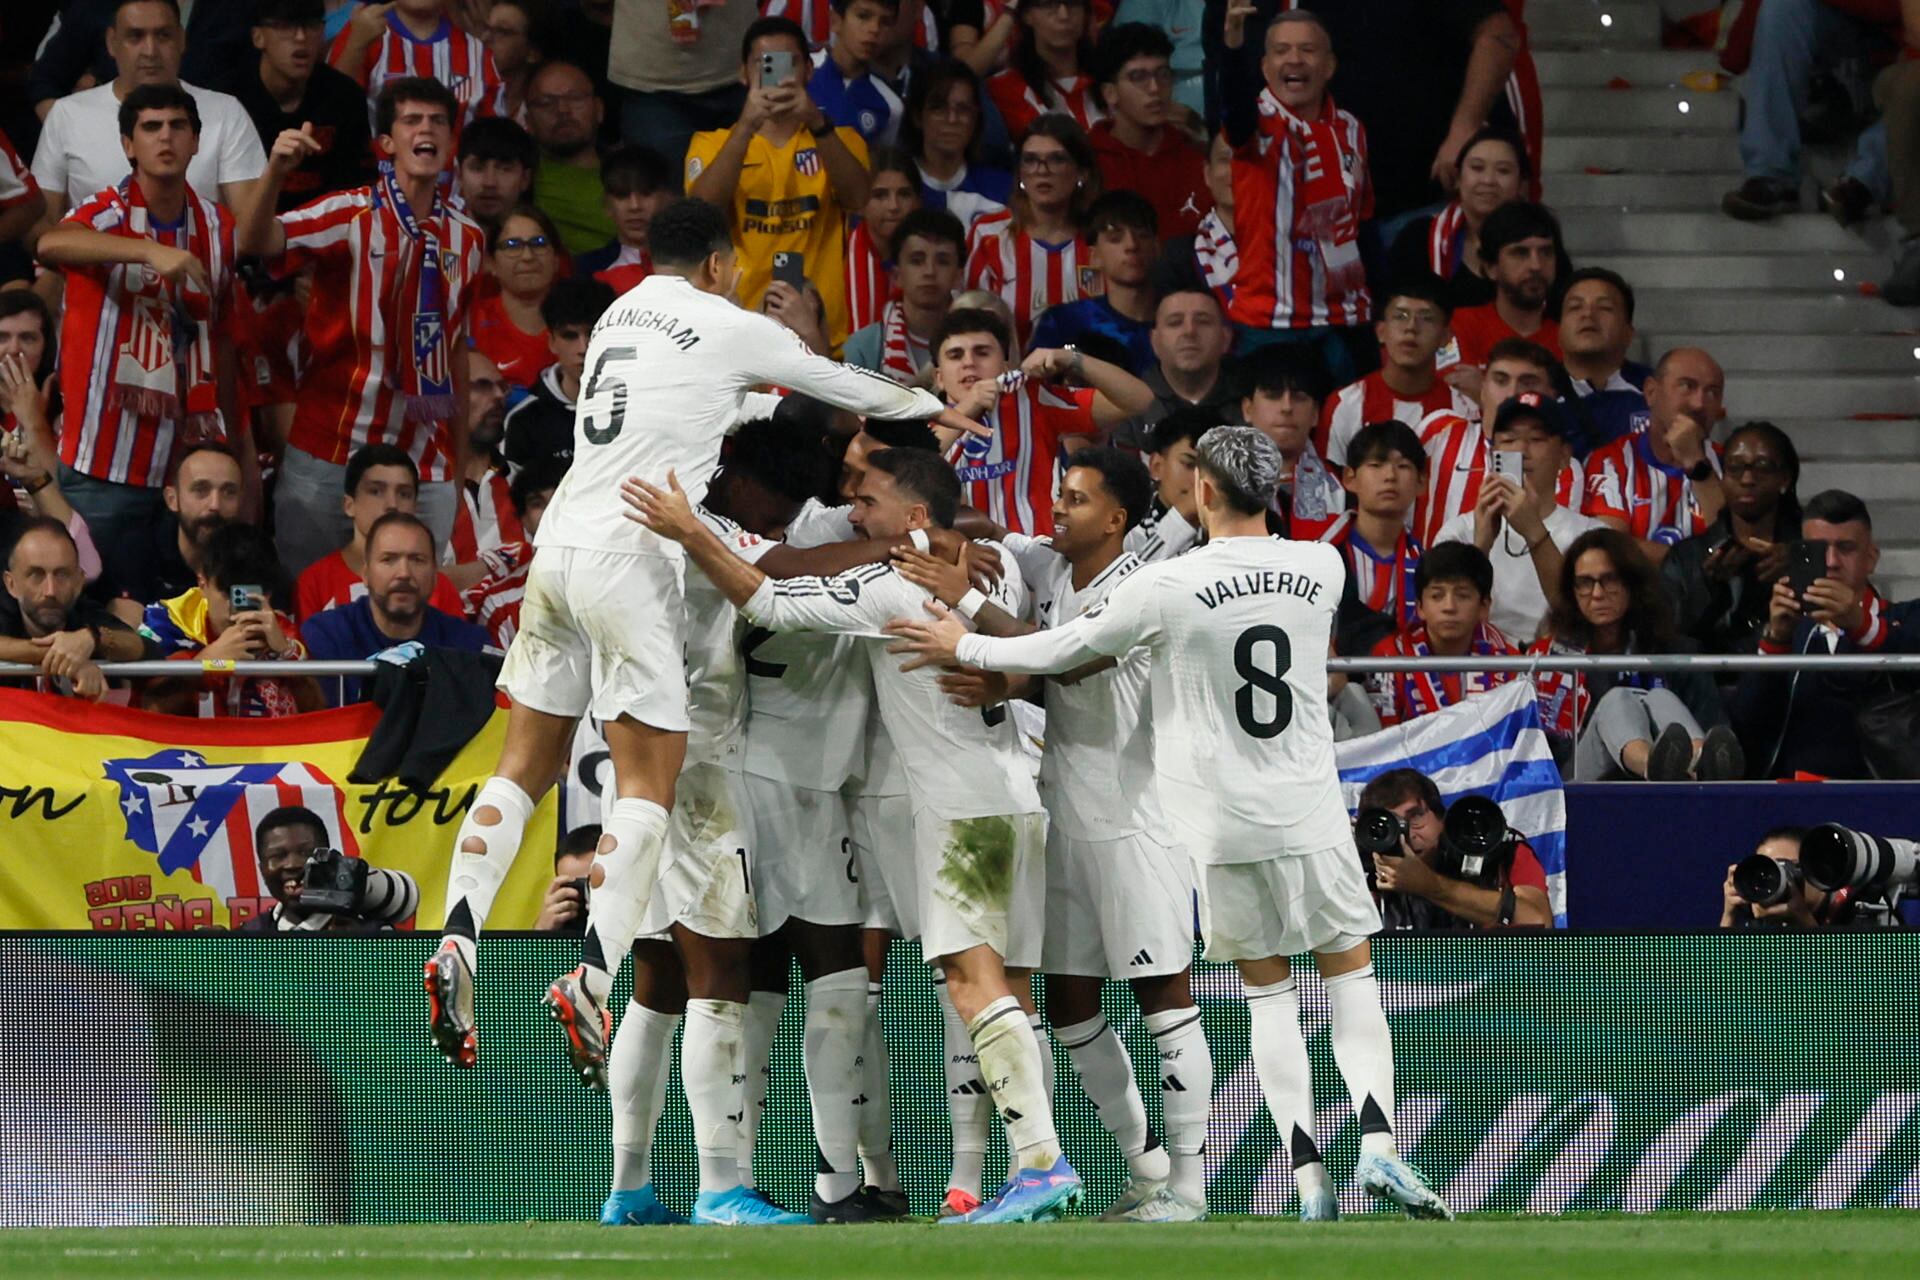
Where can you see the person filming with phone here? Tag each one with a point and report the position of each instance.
(786, 177)
(1819, 722)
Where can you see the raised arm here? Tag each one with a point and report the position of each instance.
(774, 354)
(1117, 394)
(257, 229)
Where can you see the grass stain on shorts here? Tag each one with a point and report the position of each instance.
(977, 863)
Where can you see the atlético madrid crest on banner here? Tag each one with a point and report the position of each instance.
(199, 817)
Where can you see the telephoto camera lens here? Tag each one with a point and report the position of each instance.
(1378, 831)
(1766, 882)
(1836, 857)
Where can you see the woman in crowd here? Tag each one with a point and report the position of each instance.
(1035, 254)
(893, 193)
(1720, 581)
(1052, 57)
(1493, 169)
(1664, 727)
(523, 253)
(942, 130)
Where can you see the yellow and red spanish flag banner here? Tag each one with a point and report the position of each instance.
(113, 819)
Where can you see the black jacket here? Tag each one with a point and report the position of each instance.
(1803, 721)
(1719, 617)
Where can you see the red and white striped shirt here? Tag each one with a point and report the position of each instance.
(1458, 456)
(348, 396)
(1288, 280)
(869, 279)
(454, 57)
(1020, 106)
(1217, 255)
(628, 268)
(1371, 400)
(17, 183)
(119, 313)
(494, 603)
(1383, 579)
(484, 520)
(1030, 274)
(1012, 475)
(1626, 482)
(815, 18)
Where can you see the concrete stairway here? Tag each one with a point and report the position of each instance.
(1636, 174)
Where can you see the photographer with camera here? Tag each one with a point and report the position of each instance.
(1434, 870)
(564, 909)
(1825, 877)
(320, 890)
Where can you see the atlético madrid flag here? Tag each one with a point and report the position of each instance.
(113, 819)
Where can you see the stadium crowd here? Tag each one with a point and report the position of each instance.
(299, 294)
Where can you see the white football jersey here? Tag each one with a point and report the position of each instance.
(1096, 771)
(716, 667)
(1165, 536)
(1243, 747)
(960, 762)
(807, 692)
(668, 371)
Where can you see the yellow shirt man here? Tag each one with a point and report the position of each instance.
(784, 203)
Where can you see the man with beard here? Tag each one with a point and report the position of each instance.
(1191, 339)
(400, 578)
(486, 517)
(45, 622)
(1520, 245)
(204, 497)
(564, 115)
(381, 479)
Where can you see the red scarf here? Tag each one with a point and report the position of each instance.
(1418, 693)
(897, 346)
(1323, 206)
(164, 369)
(1446, 225)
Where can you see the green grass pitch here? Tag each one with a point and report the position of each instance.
(1484, 1247)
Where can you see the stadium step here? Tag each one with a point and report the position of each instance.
(1852, 439)
(1872, 482)
(1640, 68)
(1664, 309)
(1610, 231)
(1756, 273)
(1816, 395)
(1568, 192)
(1814, 354)
(1659, 107)
(1593, 24)
(1647, 151)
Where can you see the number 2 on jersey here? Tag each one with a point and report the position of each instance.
(1268, 680)
(613, 385)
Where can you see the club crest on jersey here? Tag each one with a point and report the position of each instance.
(1090, 282)
(806, 162)
(869, 122)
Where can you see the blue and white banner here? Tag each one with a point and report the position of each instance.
(1490, 745)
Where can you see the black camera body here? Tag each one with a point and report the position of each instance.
(333, 884)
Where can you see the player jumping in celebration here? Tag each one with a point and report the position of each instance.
(1244, 623)
(603, 625)
(977, 870)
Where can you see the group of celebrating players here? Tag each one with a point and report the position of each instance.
(812, 734)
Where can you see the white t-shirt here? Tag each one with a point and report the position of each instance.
(80, 151)
(807, 692)
(1096, 771)
(716, 665)
(1243, 745)
(667, 372)
(960, 762)
(1519, 605)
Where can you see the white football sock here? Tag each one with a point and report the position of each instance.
(710, 1071)
(756, 1063)
(968, 1102)
(1286, 1076)
(637, 1081)
(1010, 1063)
(474, 879)
(637, 831)
(1106, 1076)
(836, 1015)
(1045, 1045)
(876, 1107)
(1363, 1050)
(1186, 1095)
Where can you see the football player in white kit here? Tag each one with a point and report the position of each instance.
(602, 627)
(1119, 896)
(1239, 630)
(978, 826)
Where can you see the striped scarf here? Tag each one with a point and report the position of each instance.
(1323, 209)
(1565, 699)
(164, 366)
(425, 375)
(899, 351)
(1418, 693)
(1447, 226)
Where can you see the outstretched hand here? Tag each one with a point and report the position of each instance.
(667, 512)
(292, 147)
(946, 580)
(933, 643)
